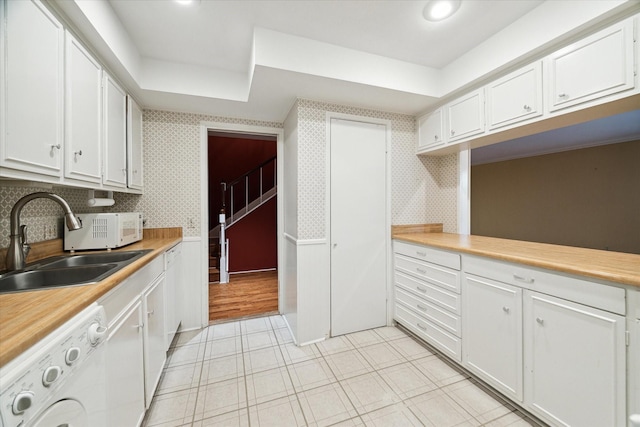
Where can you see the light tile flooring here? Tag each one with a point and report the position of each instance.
(249, 373)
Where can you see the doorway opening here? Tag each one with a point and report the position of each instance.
(242, 238)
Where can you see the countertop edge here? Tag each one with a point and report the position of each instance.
(477, 245)
(42, 322)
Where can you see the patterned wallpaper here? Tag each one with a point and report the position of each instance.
(423, 188)
(172, 170)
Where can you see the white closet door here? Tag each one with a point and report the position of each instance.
(358, 226)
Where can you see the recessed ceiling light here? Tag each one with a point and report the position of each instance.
(185, 2)
(437, 10)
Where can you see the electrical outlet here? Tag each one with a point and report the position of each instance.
(191, 223)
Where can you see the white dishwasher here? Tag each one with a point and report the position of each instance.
(60, 381)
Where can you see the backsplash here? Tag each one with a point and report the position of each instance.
(43, 217)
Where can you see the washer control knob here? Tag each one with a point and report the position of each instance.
(22, 402)
(72, 355)
(96, 333)
(51, 375)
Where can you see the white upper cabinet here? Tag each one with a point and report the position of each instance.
(134, 145)
(32, 89)
(83, 114)
(597, 66)
(430, 130)
(115, 134)
(465, 116)
(515, 97)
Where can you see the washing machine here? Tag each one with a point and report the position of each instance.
(61, 380)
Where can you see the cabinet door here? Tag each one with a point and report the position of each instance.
(173, 262)
(492, 330)
(115, 134)
(466, 116)
(134, 145)
(83, 112)
(596, 66)
(574, 362)
(154, 337)
(125, 369)
(32, 107)
(515, 97)
(430, 131)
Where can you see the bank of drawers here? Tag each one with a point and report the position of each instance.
(427, 295)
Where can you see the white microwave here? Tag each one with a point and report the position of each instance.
(104, 231)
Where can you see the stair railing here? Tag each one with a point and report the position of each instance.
(222, 217)
(244, 180)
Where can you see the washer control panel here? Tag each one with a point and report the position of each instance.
(30, 381)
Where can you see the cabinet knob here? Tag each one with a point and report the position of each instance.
(421, 307)
(453, 132)
(506, 309)
(540, 321)
(424, 291)
(563, 95)
(424, 328)
(76, 154)
(55, 147)
(151, 313)
(526, 107)
(435, 137)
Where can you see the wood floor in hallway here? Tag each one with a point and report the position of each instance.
(246, 294)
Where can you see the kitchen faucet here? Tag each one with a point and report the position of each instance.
(18, 246)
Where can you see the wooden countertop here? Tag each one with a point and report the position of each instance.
(610, 266)
(27, 317)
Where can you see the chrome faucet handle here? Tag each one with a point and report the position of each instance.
(26, 247)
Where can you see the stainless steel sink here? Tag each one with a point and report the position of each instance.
(67, 270)
(90, 259)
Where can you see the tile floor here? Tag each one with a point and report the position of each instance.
(249, 373)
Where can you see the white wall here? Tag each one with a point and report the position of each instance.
(423, 189)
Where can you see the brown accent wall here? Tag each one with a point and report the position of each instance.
(586, 198)
(229, 158)
(253, 240)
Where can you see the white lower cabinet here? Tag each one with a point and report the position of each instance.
(574, 362)
(136, 346)
(427, 296)
(125, 368)
(492, 313)
(155, 349)
(555, 344)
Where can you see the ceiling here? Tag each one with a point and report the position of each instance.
(219, 33)
(251, 59)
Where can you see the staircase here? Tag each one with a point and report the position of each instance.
(240, 207)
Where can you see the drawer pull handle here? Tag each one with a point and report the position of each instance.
(424, 328)
(540, 321)
(506, 309)
(523, 279)
(421, 253)
(424, 291)
(421, 271)
(421, 307)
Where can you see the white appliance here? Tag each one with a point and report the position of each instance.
(60, 381)
(104, 231)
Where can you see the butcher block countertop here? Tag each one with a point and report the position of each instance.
(615, 267)
(27, 317)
